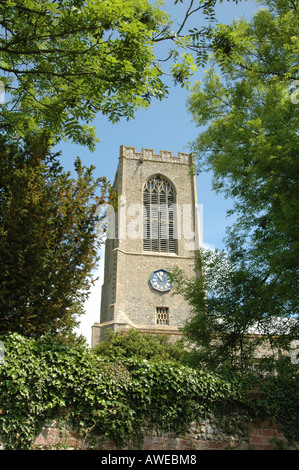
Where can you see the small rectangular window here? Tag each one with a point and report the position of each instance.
(162, 317)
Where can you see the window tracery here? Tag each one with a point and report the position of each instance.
(158, 219)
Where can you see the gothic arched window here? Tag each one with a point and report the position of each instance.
(158, 218)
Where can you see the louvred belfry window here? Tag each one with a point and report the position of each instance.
(162, 317)
(158, 218)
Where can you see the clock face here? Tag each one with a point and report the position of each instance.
(161, 280)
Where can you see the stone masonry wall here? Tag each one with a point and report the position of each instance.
(259, 435)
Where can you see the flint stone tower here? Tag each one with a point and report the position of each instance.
(155, 229)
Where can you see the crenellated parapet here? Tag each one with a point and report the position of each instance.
(150, 154)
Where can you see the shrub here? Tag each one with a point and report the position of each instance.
(138, 345)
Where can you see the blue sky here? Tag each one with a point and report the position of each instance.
(165, 125)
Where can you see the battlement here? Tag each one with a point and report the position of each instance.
(149, 154)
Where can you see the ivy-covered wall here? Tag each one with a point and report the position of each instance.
(131, 403)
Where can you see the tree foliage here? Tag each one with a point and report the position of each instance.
(234, 322)
(64, 61)
(134, 344)
(250, 145)
(48, 241)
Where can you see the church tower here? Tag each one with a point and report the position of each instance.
(155, 229)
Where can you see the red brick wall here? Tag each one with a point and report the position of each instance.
(262, 435)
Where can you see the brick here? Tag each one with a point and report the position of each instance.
(71, 442)
(109, 445)
(157, 440)
(200, 445)
(263, 447)
(40, 440)
(253, 432)
(268, 432)
(259, 440)
(218, 445)
(170, 444)
(185, 444)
